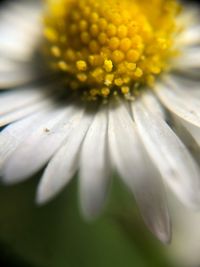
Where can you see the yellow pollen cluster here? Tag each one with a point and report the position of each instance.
(109, 47)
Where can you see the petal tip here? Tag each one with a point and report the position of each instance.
(163, 232)
(90, 211)
(42, 196)
(165, 237)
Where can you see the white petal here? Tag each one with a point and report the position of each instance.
(23, 112)
(38, 148)
(15, 133)
(190, 135)
(194, 131)
(190, 36)
(64, 164)
(94, 166)
(13, 99)
(13, 74)
(19, 31)
(169, 154)
(138, 173)
(179, 102)
(183, 83)
(22, 14)
(150, 100)
(190, 58)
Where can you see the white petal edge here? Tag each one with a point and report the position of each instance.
(17, 132)
(179, 102)
(13, 99)
(40, 146)
(136, 170)
(94, 166)
(23, 112)
(171, 157)
(150, 100)
(63, 166)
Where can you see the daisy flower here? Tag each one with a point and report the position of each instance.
(100, 86)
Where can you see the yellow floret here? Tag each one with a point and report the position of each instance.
(81, 65)
(108, 65)
(107, 47)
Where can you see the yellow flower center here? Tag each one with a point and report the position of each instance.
(110, 47)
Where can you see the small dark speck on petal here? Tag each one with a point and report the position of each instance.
(46, 130)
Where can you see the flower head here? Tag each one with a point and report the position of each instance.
(119, 51)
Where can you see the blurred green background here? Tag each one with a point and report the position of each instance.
(56, 236)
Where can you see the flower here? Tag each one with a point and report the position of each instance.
(110, 86)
